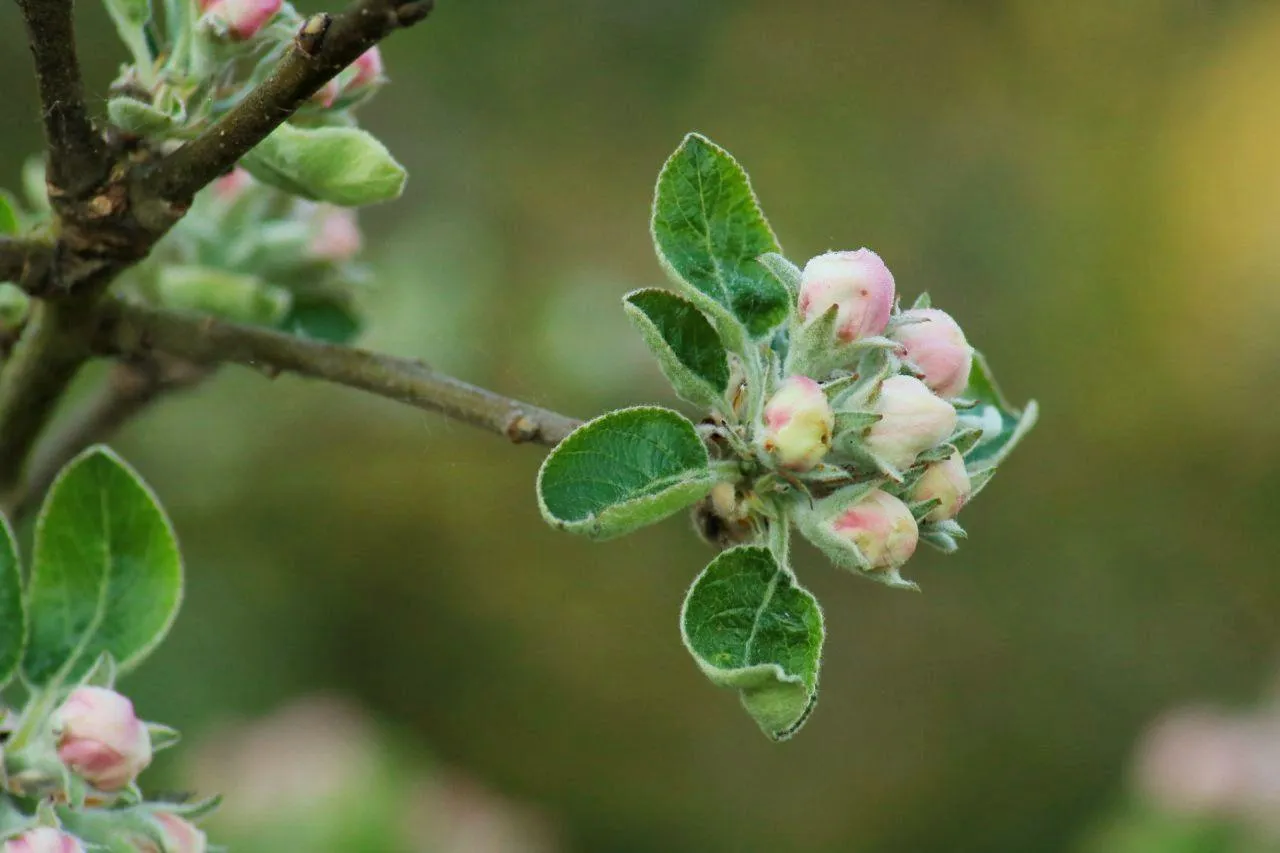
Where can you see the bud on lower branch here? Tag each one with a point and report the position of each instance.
(100, 739)
(948, 483)
(912, 420)
(44, 840)
(882, 528)
(934, 343)
(241, 19)
(180, 836)
(798, 423)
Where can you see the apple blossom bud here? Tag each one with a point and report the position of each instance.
(336, 236)
(367, 68)
(242, 18)
(328, 93)
(857, 283)
(229, 187)
(101, 739)
(180, 836)
(797, 424)
(45, 839)
(948, 482)
(912, 420)
(935, 344)
(881, 526)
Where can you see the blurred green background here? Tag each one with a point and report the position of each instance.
(1091, 188)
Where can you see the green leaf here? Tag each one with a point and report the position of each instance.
(750, 626)
(1002, 425)
(13, 614)
(10, 222)
(341, 165)
(686, 345)
(709, 230)
(15, 306)
(106, 574)
(206, 290)
(622, 471)
(786, 273)
(329, 321)
(136, 118)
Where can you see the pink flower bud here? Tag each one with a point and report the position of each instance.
(180, 836)
(936, 345)
(797, 424)
(367, 68)
(912, 420)
(328, 93)
(336, 236)
(229, 187)
(857, 283)
(100, 738)
(946, 481)
(882, 527)
(44, 840)
(242, 18)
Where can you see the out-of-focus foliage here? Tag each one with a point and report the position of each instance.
(1090, 188)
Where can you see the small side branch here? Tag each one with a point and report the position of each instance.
(128, 389)
(137, 331)
(323, 47)
(46, 359)
(77, 154)
(26, 263)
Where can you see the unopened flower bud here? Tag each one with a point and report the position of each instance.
(101, 739)
(948, 482)
(935, 344)
(882, 527)
(367, 70)
(912, 420)
(797, 424)
(328, 93)
(242, 18)
(45, 839)
(229, 187)
(336, 236)
(180, 836)
(857, 283)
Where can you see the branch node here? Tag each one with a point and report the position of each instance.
(522, 428)
(310, 38)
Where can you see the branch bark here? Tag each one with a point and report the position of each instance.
(26, 263)
(128, 389)
(323, 47)
(77, 155)
(133, 330)
(45, 360)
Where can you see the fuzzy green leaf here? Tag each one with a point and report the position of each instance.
(136, 118)
(786, 273)
(622, 471)
(10, 222)
(206, 290)
(13, 615)
(1002, 425)
(341, 165)
(328, 320)
(106, 575)
(686, 345)
(709, 230)
(750, 626)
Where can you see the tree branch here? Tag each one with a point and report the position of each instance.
(128, 389)
(77, 155)
(323, 47)
(42, 365)
(26, 263)
(133, 330)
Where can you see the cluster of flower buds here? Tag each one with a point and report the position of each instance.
(240, 20)
(85, 756)
(863, 415)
